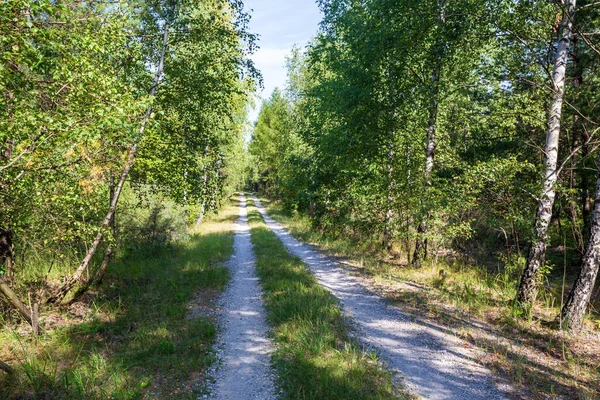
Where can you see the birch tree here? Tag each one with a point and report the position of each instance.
(576, 305)
(530, 280)
(68, 285)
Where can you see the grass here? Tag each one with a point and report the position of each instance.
(133, 337)
(315, 358)
(475, 302)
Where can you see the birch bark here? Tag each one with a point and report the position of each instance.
(420, 253)
(389, 216)
(204, 188)
(529, 286)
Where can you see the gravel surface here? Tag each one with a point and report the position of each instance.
(243, 346)
(434, 363)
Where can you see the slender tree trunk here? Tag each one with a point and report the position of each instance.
(204, 188)
(574, 309)
(213, 199)
(580, 138)
(586, 207)
(529, 286)
(6, 368)
(10, 268)
(389, 216)
(68, 285)
(99, 276)
(6, 243)
(420, 253)
(202, 212)
(113, 230)
(185, 180)
(7, 252)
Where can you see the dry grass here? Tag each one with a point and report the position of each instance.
(223, 222)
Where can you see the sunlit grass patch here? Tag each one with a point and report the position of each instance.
(315, 358)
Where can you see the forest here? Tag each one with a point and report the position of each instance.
(447, 151)
(467, 127)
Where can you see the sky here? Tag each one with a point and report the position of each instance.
(280, 24)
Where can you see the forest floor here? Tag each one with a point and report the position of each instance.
(472, 304)
(147, 333)
(163, 319)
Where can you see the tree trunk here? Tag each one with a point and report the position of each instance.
(204, 188)
(99, 276)
(529, 286)
(6, 368)
(586, 207)
(60, 294)
(213, 199)
(19, 306)
(580, 138)
(6, 252)
(110, 249)
(420, 253)
(389, 216)
(576, 305)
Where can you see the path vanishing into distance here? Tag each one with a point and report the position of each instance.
(434, 363)
(244, 346)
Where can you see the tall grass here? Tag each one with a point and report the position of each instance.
(315, 358)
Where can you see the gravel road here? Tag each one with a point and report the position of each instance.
(243, 347)
(434, 363)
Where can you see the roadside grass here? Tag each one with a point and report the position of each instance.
(315, 358)
(475, 302)
(131, 338)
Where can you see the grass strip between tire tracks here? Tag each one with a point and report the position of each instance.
(314, 358)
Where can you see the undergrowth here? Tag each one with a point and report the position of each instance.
(532, 352)
(129, 338)
(315, 359)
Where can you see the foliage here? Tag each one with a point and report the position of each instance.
(76, 78)
(469, 80)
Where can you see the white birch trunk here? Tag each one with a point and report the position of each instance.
(204, 187)
(420, 253)
(529, 286)
(389, 216)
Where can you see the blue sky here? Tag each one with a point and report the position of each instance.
(280, 24)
